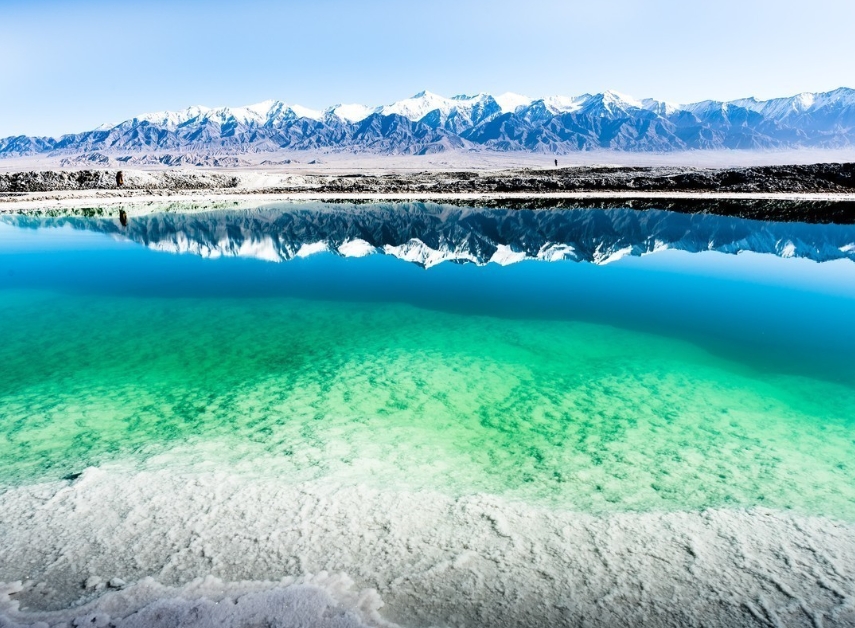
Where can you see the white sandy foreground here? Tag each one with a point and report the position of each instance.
(125, 547)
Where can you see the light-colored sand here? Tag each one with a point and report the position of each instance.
(479, 560)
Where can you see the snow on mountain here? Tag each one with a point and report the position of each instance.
(660, 107)
(708, 108)
(305, 112)
(778, 106)
(351, 113)
(419, 106)
(565, 104)
(172, 118)
(616, 99)
(423, 103)
(782, 107)
(511, 102)
(610, 103)
(267, 111)
(257, 114)
(456, 115)
(428, 122)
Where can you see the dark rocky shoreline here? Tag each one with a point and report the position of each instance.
(839, 178)
(829, 178)
(17, 183)
(549, 188)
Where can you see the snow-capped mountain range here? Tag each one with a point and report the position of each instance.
(428, 123)
(428, 234)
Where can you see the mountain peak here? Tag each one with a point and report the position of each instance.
(173, 118)
(611, 97)
(565, 104)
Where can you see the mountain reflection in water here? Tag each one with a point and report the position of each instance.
(427, 234)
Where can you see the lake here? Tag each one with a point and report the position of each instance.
(353, 363)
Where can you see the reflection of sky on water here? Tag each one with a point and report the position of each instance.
(765, 309)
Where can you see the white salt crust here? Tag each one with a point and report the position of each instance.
(221, 549)
(323, 601)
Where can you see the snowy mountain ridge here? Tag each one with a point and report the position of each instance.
(428, 122)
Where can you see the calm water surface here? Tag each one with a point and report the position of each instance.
(684, 379)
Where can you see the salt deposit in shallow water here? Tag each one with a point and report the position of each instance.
(586, 416)
(434, 560)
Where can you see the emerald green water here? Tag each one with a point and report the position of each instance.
(709, 392)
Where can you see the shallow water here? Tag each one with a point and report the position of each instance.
(674, 381)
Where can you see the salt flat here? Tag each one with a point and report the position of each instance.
(419, 558)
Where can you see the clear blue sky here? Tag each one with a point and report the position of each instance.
(67, 66)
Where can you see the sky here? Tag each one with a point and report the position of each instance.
(70, 65)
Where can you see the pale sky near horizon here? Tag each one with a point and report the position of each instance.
(68, 66)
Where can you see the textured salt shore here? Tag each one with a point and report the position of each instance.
(324, 600)
(415, 558)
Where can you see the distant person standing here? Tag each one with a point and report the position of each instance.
(556, 163)
(120, 179)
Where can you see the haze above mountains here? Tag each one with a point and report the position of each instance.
(428, 123)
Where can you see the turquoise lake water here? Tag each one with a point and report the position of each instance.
(676, 380)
